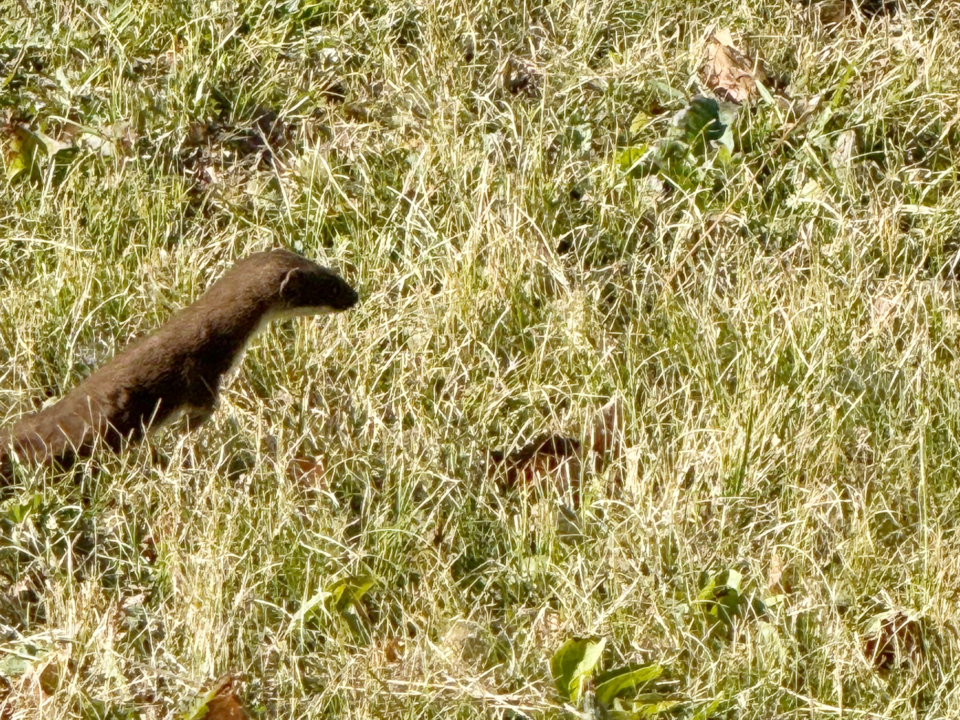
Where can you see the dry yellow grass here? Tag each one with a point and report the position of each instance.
(780, 323)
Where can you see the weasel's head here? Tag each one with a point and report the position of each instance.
(295, 285)
(308, 289)
(282, 284)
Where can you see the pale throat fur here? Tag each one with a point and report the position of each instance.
(177, 370)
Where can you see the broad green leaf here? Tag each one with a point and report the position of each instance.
(733, 580)
(720, 584)
(14, 665)
(773, 601)
(20, 511)
(23, 158)
(667, 156)
(639, 122)
(700, 120)
(16, 164)
(612, 683)
(758, 606)
(41, 141)
(709, 590)
(629, 157)
(17, 661)
(651, 709)
(28, 146)
(666, 89)
(728, 113)
(725, 147)
(721, 599)
(349, 591)
(573, 663)
(654, 704)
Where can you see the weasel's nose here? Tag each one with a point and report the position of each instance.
(348, 298)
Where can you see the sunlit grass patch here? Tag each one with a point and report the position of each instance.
(533, 233)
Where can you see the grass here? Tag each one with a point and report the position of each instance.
(777, 526)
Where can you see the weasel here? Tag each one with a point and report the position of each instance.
(177, 370)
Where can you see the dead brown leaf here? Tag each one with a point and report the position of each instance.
(557, 461)
(778, 582)
(892, 639)
(308, 473)
(729, 73)
(6, 699)
(394, 649)
(224, 705)
(49, 678)
(551, 460)
(522, 76)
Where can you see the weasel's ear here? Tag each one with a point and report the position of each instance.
(292, 285)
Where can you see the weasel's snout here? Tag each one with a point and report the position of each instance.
(346, 298)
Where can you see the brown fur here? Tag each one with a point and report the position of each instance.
(178, 368)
